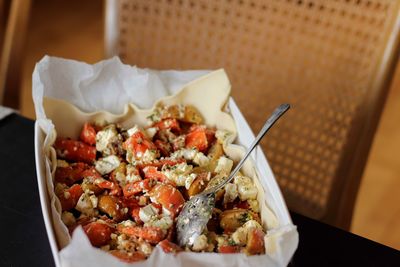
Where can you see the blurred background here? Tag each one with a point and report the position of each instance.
(74, 30)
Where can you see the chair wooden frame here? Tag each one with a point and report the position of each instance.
(341, 206)
(12, 52)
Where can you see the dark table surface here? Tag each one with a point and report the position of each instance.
(25, 243)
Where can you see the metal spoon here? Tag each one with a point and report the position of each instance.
(193, 219)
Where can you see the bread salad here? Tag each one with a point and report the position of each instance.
(126, 187)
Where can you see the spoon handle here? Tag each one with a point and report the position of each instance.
(278, 112)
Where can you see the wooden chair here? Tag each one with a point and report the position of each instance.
(12, 49)
(332, 60)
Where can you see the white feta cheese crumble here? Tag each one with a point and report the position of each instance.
(191, 154)
(85, 205)
(105, 138)
(149, 155)
(107, 164)
(151, 132)
(127, 223)
(132, 174)
(221, 240)
(201, 159)
(200, 243)
(189, 180)
(148, 213)
(94, 200)
(123, 243)
(146, 248)
(121, 178)
(186, 153)
(224, 165)
(166, 212)
(67, 195)
(130, 157)
(182, 168)
(240, 235)
(246, 188)
(250, 224)
(154, 117)
(179, 173)
(164, 222)
(133, 130)
(231, 193)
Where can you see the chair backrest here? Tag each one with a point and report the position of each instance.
(332, 60)
(12, 49)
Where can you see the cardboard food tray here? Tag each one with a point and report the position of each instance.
(58, 84)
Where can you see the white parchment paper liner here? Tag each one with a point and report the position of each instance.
(68, 93)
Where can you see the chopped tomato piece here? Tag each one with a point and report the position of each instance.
(130, 203)
(75, 150)
(197, 127)
(88, 134)
(70, 174)
(91, 174)
(98, 233)
(135, 188)
(70, 197)
(169, 197)
(105, 184)
(197, 139)
(128, 257)
(171, 233)
(169, 247)
(171, 124)
(243, 205)
(158, 206)
(82, 221)
(152, 173)
(210, 133)
(237, 204)
(133, 207)
(210, 136)
(255, 242)
(229, 249)
(149, 233)
(164, 147)
(138, 144)
(135, 215)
